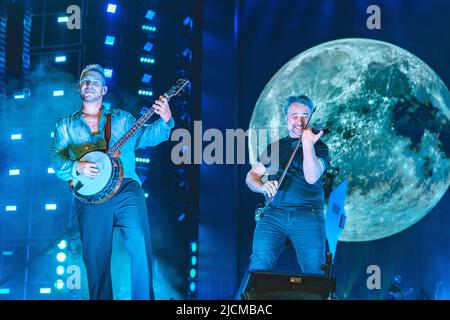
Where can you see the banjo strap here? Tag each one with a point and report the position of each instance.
(108, 130)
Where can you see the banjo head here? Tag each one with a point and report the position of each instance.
(95, 185)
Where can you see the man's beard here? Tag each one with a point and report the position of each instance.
(89, 98)
(296, 131)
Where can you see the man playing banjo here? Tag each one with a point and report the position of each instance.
(83, 131)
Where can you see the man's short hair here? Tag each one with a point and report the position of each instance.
(94, 67)
(298, 99)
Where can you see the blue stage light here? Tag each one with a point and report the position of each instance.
(111, 8)
(61, 257)
(14, 172)
(148, 28)
(50, 206)
(193, 273)
(45, 290)
(58, 93)
(187, 21)
(19, 96)
(146, 195)
(11, 208)
(147, 60)
(4, 290)
(150, 14)
(181, 217)
(146, 78)
(63, 19)
(194, 260)
(148, 46)
(193, 246)
(50, 170)
(145, 93)
(108, 72)
(109, 40)
(60, 59)
(60, 270)
(16, 136)
(8, 253)
(192, 286)
(59, 284)
(62, 244)
(142, 160)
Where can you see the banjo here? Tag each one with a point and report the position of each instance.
(106, 184)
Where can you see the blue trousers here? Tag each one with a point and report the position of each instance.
(304, 228)
(127, 211)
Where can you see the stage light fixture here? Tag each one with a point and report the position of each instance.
(145, 93)
(50, 206)
(150, 14)
(109, 40)
(147, 60)
(146, 78)
(108, 72)
(193, 246)
(148, 46)
(148, 28)
(60, 59)
(59, 284)
(62, 244)
(14, 172)
(16, 136)
(60, 270)
(11, 208)
(61, 257)
(188, 21)
(111, 8)
(58, 93)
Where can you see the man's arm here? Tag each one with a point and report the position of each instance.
(65, 168)
(152, 134)
(313, 167)
(254, 182)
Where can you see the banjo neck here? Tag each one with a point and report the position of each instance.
(134, 128)
(175, 90)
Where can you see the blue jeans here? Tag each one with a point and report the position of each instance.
(305, 229)
(127, 211)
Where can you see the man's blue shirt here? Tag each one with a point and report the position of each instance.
(73, 138)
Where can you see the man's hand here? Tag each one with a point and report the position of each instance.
(270, 187)
(309, 138)
(89, 169)
(162, 108)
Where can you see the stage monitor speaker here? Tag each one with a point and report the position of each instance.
(278, 286)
